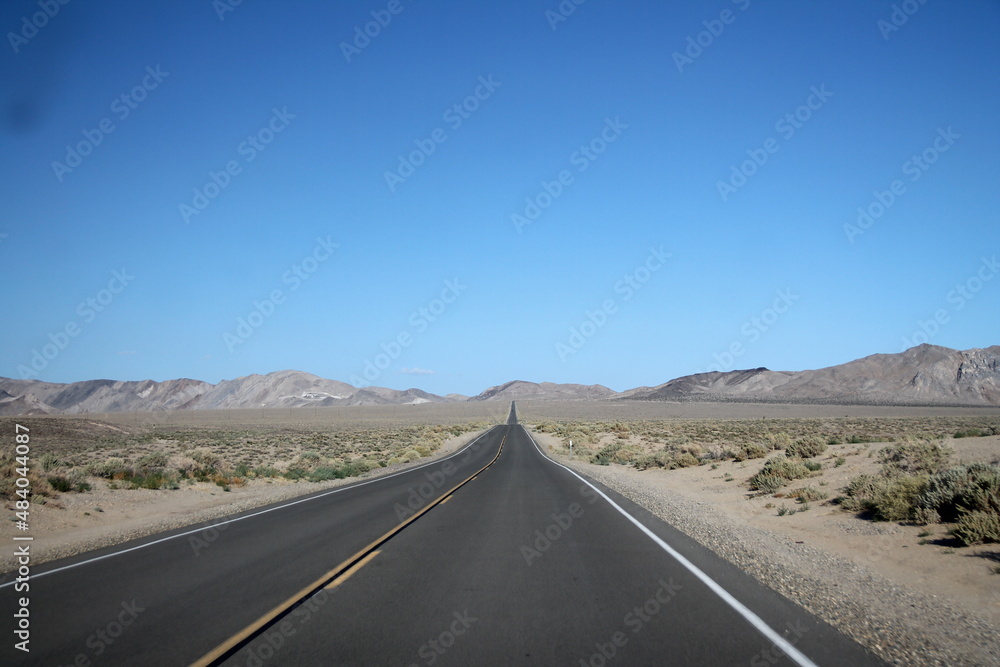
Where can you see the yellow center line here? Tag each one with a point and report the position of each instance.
(347, 567)
(354, 568)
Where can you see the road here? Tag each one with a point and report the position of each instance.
(524, 563)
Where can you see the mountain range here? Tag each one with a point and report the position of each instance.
(923, 375)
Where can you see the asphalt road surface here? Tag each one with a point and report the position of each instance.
(493, 556)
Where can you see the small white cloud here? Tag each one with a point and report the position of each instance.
(416, 371)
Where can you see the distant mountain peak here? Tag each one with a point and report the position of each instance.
(544, 391)
(922, 375)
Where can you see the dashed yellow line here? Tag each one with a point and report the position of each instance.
(329, 580)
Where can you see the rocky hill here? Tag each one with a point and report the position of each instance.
(282, 389)
(544, 391)
(923, 375)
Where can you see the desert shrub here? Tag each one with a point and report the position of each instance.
(914, 486)
(971, 433)
(661, 459)
(323, 473)
(60, 483)
(677, 440)
(812, 466)
(294, 473)
(310, 456)
(108, 469)
(887, 498)
(265, 471)
(48, 461)
(685, 460)
(152, 460)
(151, 480)
(914, 457)
(973, 487)
(628, 454)
(349, 469)
(718, 453)
(579, 434)
(209, 460)
(767, 483)
(78, 478)
(361, 466)
(137, 479)
(978, 527)
(692, 448)
(778, 466)
(808, 494)
(226, 481)
(201, 474)
(896, 498)
(859, 493)
(606, 454)
(779, 440)
(806, 448)
(750, 450)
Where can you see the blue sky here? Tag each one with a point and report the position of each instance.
(625, 194)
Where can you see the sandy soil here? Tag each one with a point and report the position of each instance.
(79, 522)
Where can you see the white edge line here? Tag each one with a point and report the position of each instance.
(248, 516)
(756, 621)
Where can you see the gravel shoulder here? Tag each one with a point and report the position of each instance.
(76, 523)
(910, 603)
